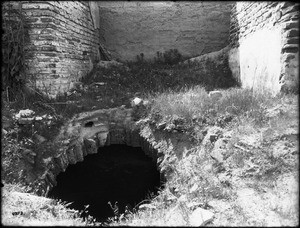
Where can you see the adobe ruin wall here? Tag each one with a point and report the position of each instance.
(264, 39)
(63, 43)
(68, 37)
(194, 28)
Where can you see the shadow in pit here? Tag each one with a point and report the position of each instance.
(117, 173)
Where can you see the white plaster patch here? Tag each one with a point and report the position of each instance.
(260, 60)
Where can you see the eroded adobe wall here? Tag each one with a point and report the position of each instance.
(64, 40)
(194, 28)
(264, 38)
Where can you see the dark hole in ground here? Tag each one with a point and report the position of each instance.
(116, 173)
(89, 124)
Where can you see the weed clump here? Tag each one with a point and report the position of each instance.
(251, 149)
(14, 41)
(191, 108)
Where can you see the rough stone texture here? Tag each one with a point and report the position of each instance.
(212, 135)
(200, 217)
(264, 37)
(165, 145)
(194, 28)
(176, 216)
(64, 41)
(215, 95)
(290, 76)
(85, 133)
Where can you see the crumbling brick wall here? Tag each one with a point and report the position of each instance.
(63, 43)
(65, 37)
(264, 38)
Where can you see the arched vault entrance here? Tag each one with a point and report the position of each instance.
(103, 158)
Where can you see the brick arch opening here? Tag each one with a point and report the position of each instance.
(77, 178)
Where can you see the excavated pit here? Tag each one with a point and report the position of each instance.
(117, 173)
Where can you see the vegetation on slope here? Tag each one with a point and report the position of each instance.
(104, 87)
(247, 174)
(250, 178)
(20, 208)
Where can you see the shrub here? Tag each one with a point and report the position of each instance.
(183, 104)
(170, 57)
(14, 41)
(11, 156)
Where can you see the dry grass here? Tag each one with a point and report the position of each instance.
(24, 209)
(191, 108)
(257, 182)
(255, 185)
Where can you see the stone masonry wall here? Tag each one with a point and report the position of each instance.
(63, 43)
(82, 135)
(194, 28)
(264, 38)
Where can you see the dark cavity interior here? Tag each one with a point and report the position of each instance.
(117, 173)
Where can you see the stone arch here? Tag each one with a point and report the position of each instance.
(87, 132)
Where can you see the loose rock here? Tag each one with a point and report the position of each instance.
(4, 132)
(24, 121)
(147, 206)
(39, 139)
(108, 64)
(215, 95)
(200, 217)
(24, 113)
(136, 102)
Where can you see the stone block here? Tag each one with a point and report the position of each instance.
(107, 143)
(292, 40)
(51, 178)
(90, 132)
(287, 57)
(102, 137)
(60, 164)
(65, 160)
(290, 25)
(71, 155)
(83, 149)
(290, 16)
(200, 217)
(90, 146)
(78, 152)
(215, 95)
(292, 8)
(290, 48)
(26, 121)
